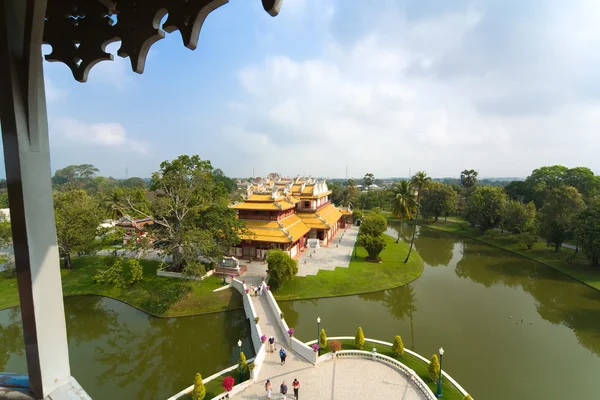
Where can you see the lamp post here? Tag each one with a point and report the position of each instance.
(240, 346)
(439, 382)
(319, 334)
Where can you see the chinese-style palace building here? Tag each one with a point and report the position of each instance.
(283, 213)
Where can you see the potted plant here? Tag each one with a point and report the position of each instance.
(291, 332)
(315, 347)
(247, 290)
(335, 346)
(263, 338)
(228, 383)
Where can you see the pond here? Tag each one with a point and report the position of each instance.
(119, 352)
(511, 328)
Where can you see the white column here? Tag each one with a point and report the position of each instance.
(27, 159)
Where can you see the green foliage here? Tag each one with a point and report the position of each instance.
(438, 199)
(376, 210)
(74, 176)
(374, 245)
(403, 200)
(242, 364)
(3, 200)
(114, 275)
(372, 199)
(462, 226)
(398, 346)
(323, 339)
(199, 391)
(359, 339)
(368, 180)
(468, 397)
(490, 233)
(373, 225)
(519, 217)
(77, 216)
(587, 232)
(528, 239)
(281, 266)
(194, 268)
(357, 214)
(557, 216)
(485, 207)
(434, 368)
(468, 178)
(136, 271)
(5, 232)
(161, 300)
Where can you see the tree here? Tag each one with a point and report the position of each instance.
(583, 180)
(468, 178)
(199, 392)
(137, 271)
(519, 191)
(528, 239)
(398, 347)
(418, 182)
(323, 339)
(374, 245)
(359, 339)
(281, 266)
(133, 182)
(77, 176)
(4, 200)
(557, 215)
(485, 207)
(519, 217)
(190, 211)
(5, 232)
(434, 368)
(77, 216)
(373, 225)
(545, 179)
(404, 203)
(587, 232)
(337, 193)
(356, 214)
(350, 195)
(371, 235)
(368, 180)
(243, 364)
(438, 199)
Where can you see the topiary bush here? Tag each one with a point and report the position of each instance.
(228, 383)
(323, 339)
(335, 346)
(199, 391)
(398, 347)
(242, 364)
(434, 368)
(359, 339)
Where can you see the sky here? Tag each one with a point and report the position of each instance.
(499, 86)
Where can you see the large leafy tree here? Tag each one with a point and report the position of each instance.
(404, 203)
(418, 182)
(368, 180)
(468, 178)
(371, 235)
(78, 216)
(544, 179)
(584, 180)
(519, 191)
(520, 217)
(190, 210)
(587, 232)
(75, 176)
(485, 207)
(557, 215)
(438, 199)
(281, 266)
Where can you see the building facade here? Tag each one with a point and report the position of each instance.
(283, 213)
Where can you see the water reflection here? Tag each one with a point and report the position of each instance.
(480, 302)
(119, 352)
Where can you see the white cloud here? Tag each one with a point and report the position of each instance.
(396, 98)
(108, 135)
(53, 92)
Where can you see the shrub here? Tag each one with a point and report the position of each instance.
(242, 364)
(335, 346)
(357, 214)
(373, 245)
(113, 275)
(256, 320)
(280, 266)
(199, 391)
(323, 339)
(137, 271)
(164, 297)
(528, 239)
(398, 347)
(462, 226)
(359, 339)
(489, 233)
(434, 368)
(228, 383)
(194, 269)
(467, 397)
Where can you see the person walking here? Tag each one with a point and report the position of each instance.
(268, 389)
(283, 390)
(271, 344)
(282, 355)
(296, 387)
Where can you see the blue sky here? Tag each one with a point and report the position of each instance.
(499, 86)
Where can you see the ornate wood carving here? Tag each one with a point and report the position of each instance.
(79, 30)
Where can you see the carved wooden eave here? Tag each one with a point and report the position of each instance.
(80, 30)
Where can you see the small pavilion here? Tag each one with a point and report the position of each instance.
(78, 31)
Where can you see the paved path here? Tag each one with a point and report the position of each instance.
(338, 254)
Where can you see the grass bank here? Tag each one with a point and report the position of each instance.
(360, 277)
(157, 295)
(449, 391)
(565, 261)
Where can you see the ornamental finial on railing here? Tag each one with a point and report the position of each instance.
(80, 30)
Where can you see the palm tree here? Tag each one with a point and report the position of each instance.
(404, 203)
(468, 178)
(418, 181)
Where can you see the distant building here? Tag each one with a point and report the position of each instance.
(283, 213)
(134, 228)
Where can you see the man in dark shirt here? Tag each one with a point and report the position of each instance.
(283, 390)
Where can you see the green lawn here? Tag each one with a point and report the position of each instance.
(565, 261)
(154, 294)
(361, 277)
(449, 391)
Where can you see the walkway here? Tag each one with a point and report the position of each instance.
(338, 254)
